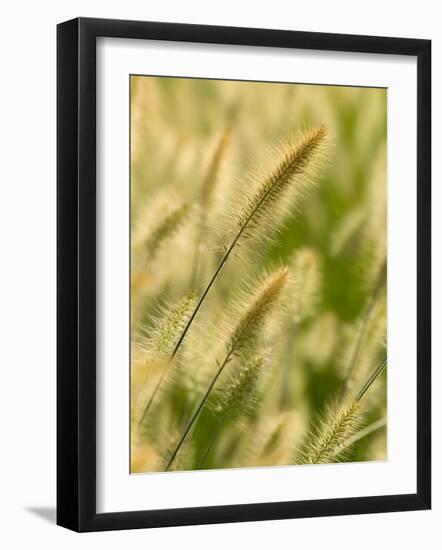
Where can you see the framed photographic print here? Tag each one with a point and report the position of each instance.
(243, 274)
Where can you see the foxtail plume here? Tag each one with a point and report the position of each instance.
(242, 337)
(270, 194)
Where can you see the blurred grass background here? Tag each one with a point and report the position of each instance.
(340, 228)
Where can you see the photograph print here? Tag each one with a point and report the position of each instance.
(258, 230)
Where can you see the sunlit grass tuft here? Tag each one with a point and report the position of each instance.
(236, 362)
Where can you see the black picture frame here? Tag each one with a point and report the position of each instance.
(77, 288)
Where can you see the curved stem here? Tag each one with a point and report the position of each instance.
(204, 294)
(192, 317)
(286, 375)
(198, 410)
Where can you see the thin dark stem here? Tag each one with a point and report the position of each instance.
(206, 291)
(200, 407)
(363, 328)
(210, 284)
(379, 424)
(155, 391)
(189, 322)
(212, 442)
(378, 370)
(223, 261)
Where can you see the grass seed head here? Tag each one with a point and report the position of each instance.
(283, 185)
(265, 299)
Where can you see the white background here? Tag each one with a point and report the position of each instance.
(27, 290)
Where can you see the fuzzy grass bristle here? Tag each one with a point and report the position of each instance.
(341, 421)
(272, 194)
(278, 447)
(159, 337)
(239, 395)
(266, 297)
(339, 424)
(228, 181)
(264, 203)
(163, 339)
(166, 228)
(307, 275)
(243, 337)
